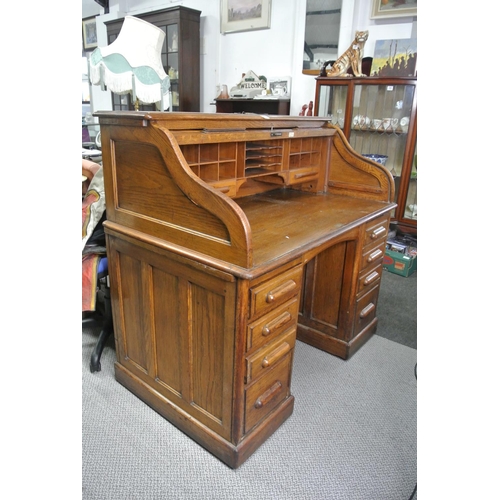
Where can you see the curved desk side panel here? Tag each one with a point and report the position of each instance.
(150, 188)
(351, 174)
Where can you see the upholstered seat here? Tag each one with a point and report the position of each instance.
(96, 301)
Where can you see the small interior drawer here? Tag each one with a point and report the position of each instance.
(376, 230)
(275, 291)
(271, 325)
(300, 175)
(267, 357)
(267, 392)
(227, 187)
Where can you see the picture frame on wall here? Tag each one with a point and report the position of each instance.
(393, 8)
(89, 28)
(244, 15)
(280, 86)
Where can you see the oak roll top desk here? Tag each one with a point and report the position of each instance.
(229, 237)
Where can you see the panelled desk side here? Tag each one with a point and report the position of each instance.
(229, 237)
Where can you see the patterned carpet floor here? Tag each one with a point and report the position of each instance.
(352, 436)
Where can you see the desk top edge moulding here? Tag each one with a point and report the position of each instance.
(229, 237)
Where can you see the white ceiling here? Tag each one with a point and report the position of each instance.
(90, 8)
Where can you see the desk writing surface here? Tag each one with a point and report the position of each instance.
(288, 222)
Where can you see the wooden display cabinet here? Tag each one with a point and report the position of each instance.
(229, 237)
(363, 108)
(180, 57)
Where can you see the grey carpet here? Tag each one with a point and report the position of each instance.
(397, 308)
(352, 436)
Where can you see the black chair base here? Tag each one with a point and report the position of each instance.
(107, 328)
(95, 358)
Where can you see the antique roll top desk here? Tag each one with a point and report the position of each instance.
(229, 237)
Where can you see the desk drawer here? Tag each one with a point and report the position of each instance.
(267, 392)
(376, 230)
(369, 278)
(275, 291)
(267, 357)
(272, 324)
(372, 255)
(366, 308)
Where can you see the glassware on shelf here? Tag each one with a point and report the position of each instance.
(340, 118)
(382, 159)
(404, 122)
(379, 119)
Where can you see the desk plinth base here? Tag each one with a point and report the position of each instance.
(332, 345)
(229, 453)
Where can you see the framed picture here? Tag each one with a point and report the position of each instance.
(395, 58)
(280, 86)
(393, 8)
(244, 15)
(89, 33)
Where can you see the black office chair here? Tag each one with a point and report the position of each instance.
(103, 313)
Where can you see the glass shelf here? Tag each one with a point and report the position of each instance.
(332, 103)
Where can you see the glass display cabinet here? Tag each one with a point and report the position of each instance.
(180, 57)
(379, 118)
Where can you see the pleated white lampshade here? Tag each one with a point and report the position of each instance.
(132, 63)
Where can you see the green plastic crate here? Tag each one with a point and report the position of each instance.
(398, 263)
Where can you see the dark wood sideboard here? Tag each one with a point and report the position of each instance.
(259, 106)
(229, 237)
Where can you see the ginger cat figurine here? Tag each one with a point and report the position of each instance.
(352, 57)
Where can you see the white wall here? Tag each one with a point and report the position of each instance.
(276, 51)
